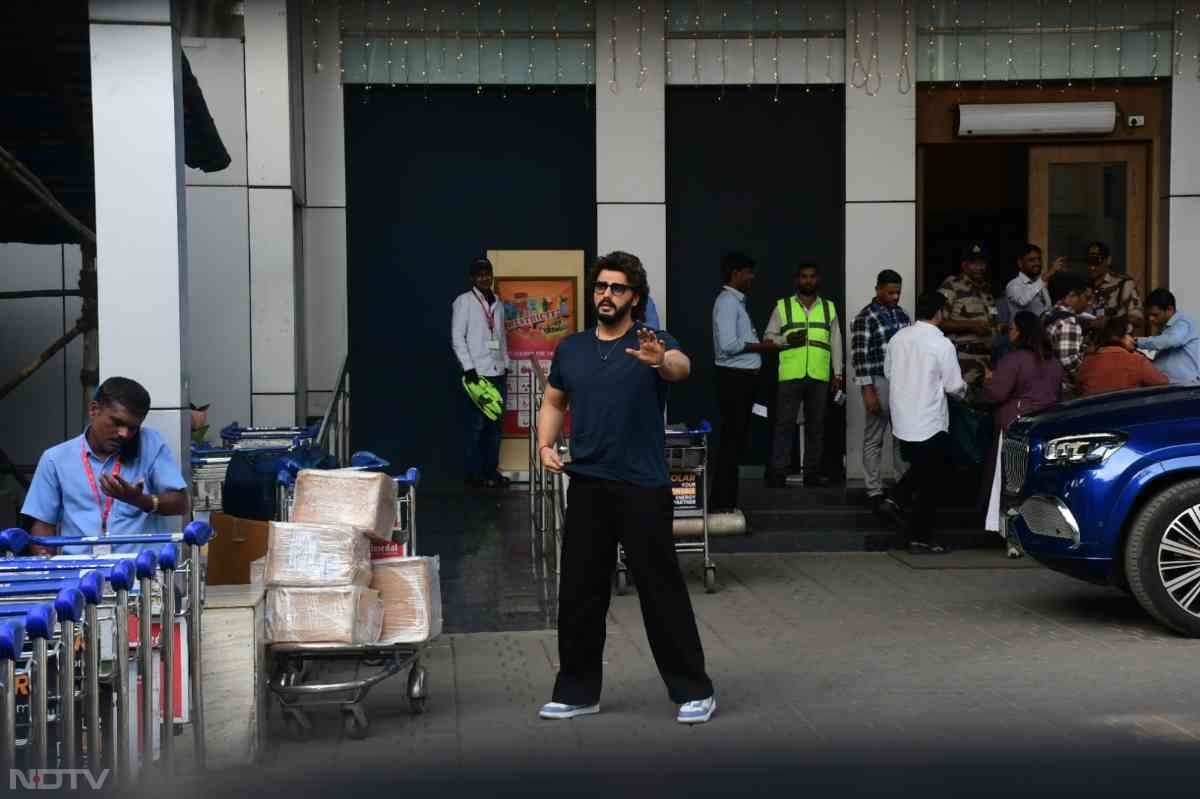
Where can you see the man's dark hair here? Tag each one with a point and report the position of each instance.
(635, 275)
(803, 265)
(1028, 248)
(1065, 283)
(1116, 328)
(734, 262)
(1102, 247)
(1032, 334)
(928, 305)
(127, 393)
(887, 277)
(1160, 298)
(481, 265)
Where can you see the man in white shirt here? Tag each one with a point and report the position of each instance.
(921, 367)
(477, 335)
(1028, 290)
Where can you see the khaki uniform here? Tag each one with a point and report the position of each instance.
(1117, 295)
(967, 302)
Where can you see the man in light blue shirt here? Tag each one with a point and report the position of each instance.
(737, 351)
(116, 478)
(1028, 290)
(1178, 340)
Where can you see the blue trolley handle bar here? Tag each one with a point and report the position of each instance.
(17, 540)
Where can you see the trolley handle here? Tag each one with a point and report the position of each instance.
(17, 540)
(40, 618)
(410, 479)
(12, 638)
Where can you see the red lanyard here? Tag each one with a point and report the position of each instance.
(105, 506)
(488, 312)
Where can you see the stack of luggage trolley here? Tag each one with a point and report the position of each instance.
(76, 631)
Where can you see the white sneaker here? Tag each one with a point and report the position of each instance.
(697, 712)
(557, 710)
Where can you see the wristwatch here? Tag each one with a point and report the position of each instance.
(154, 506)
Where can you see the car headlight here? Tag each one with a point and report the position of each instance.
(1091, 449)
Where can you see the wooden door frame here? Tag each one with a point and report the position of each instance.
(1135, 155)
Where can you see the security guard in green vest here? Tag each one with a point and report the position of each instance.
(807, 329)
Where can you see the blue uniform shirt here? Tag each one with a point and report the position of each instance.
(61, 495)
(732, 331)
(1178, 348)
(617, 404)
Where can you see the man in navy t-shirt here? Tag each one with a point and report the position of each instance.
(615, 379)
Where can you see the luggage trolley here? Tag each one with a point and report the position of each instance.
(296, 673)
(687, 463)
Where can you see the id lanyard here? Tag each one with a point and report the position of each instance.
(105, 503)
(488, 313)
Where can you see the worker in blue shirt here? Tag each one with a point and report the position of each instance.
(652, 320)
(116, 478)
(738, 358)
(1177, 342)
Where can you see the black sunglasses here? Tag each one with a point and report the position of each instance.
(618, 289)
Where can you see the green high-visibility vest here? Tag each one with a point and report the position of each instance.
(815, 358)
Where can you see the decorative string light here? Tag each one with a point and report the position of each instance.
(1177, 60)
(1012, 49)
(530, 71)
(829, 48)
(1121, 47)
(903, 75)
(957, 46)
(387, 21)
(366, 52)
(478, 47)
(724, 49)
(873, 66)
(696, 42)
(1041, 42)
(1070, 39)
(775, 58)
(425, 47)
(808, 23)
(932, 41)
(407, 53)
(641, 47)
(665, 43)
(442, 39)
(750, 44)
(1095, 41)
(987, 37)
(856, 65)
(557, 50)
(589, 13)
(316, 40)
(503, 43)
(460, 53)
(1154, 43)
(613, 86)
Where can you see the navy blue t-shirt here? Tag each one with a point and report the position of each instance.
(617, 403)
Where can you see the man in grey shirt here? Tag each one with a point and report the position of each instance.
(1028, 290)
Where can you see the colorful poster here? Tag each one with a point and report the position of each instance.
(538, 313)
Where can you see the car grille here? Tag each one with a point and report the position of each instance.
(1014, 460)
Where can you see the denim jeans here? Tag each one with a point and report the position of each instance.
(481, 437)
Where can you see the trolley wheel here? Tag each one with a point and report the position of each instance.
(710, 579)
(622, 582)
(417, 705)
(355, 725)
(298, 727)
(418, 694)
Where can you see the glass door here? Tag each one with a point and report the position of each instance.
(1081, 194)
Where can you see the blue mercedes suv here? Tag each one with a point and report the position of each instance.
(1107, 489)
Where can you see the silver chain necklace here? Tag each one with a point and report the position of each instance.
(605, 355)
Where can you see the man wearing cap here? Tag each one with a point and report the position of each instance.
(116, 478)
(970, 315)
(1116, 294)
(479, 342)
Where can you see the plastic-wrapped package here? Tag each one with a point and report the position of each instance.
(258, 568)
(348, 614)
(412, 599)
(315, 555)
(364, 500)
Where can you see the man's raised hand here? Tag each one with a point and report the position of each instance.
(651, 351)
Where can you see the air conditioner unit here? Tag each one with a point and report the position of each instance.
(1037, 119)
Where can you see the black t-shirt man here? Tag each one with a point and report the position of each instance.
(617, 406)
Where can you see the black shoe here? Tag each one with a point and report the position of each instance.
(499, 481)
(887, 508)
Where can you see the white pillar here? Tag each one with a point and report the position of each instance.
(880, 188)
(1184, 212)
(275, 255)
(137, 122)
(631, 157)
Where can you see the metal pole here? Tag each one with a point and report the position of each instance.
(120, 759)
(39, 706)
(92, 675)
(167, 636)
(8, 724)
(66, 692)
(146, 671)
(194, 653)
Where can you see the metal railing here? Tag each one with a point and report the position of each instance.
(547, 491)
(334, 433)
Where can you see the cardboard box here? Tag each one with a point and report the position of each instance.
(412, 599)
(343, 615)
(302, 555)
(237, 544)
(364, 500)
